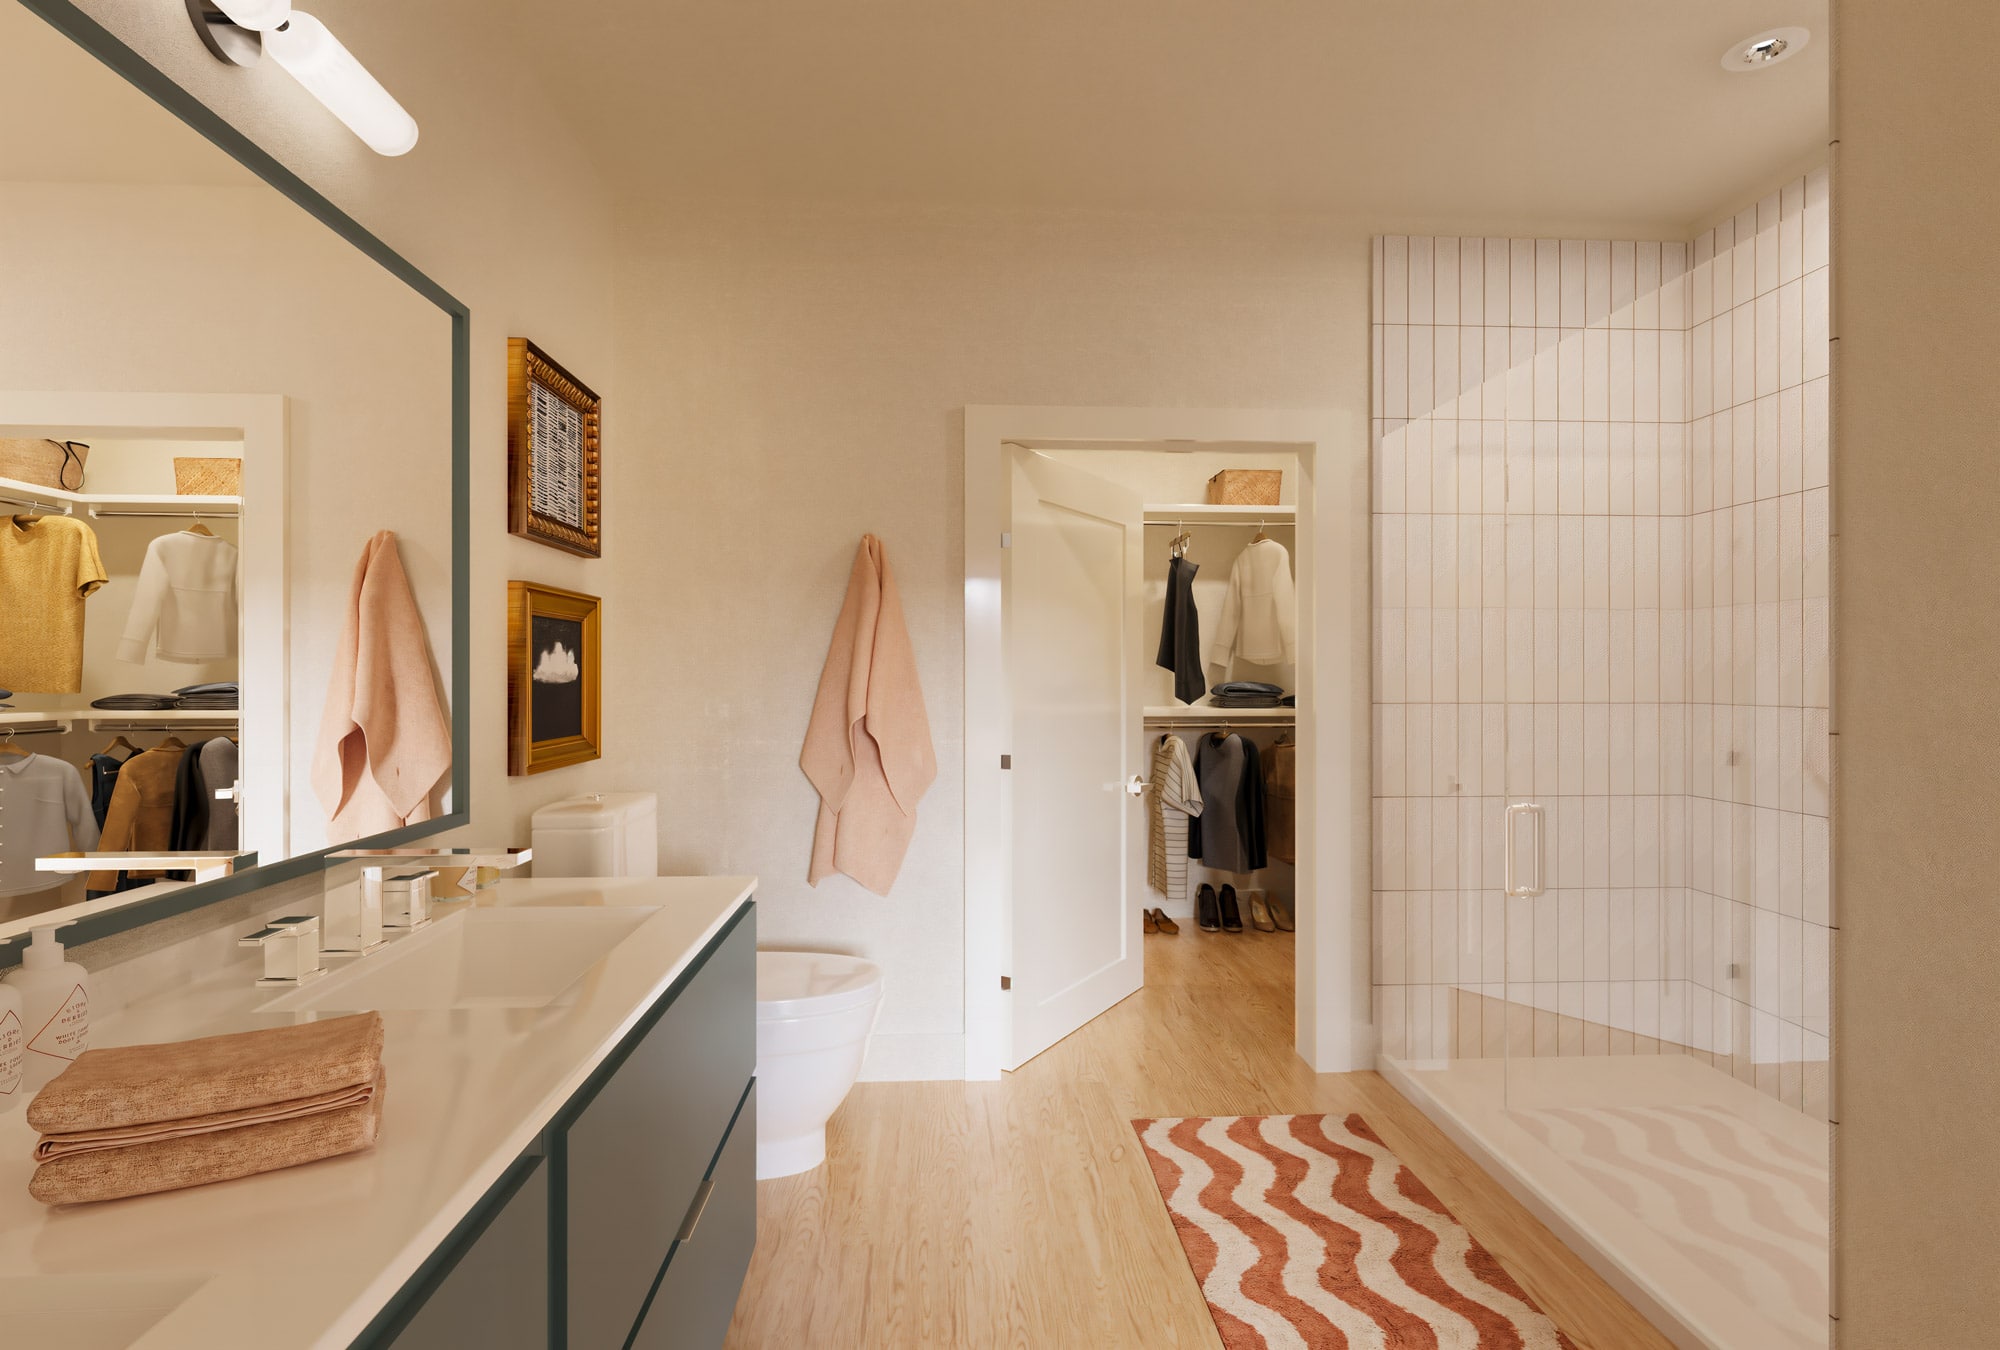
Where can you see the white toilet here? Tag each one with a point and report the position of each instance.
(815, 1011)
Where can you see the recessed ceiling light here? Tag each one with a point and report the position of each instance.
(1765, 50)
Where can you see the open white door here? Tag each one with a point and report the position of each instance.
(1075, 658)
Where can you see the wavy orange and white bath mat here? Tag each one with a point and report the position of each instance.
(1306, 1232)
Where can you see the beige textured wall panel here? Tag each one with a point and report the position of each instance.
(794, 377)
(1917, 644)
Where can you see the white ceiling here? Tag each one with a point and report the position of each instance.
(1613, 113)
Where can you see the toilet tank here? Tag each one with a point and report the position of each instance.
(601, 834)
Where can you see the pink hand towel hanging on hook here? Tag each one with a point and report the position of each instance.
(868, 747)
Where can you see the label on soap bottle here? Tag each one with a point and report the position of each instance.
(12, 1052)
(67, 1034)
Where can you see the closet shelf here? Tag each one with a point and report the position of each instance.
(1201, 513)
(1191, 714)
(93, 718)
(13, 492)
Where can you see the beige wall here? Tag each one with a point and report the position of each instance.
(793, 378)
(1917, 636)
(529, 263)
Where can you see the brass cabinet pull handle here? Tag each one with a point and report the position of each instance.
(695, 1211)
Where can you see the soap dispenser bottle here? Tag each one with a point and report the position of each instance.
(13, 1047)
(55, 1012)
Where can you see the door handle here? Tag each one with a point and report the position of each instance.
(1515, 887)
(1137, 787)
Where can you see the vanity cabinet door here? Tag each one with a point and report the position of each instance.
(492, 1291)
(635, 1153)
(697, 1293)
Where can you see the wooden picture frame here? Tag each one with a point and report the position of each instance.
(554, 455)
(552, 644)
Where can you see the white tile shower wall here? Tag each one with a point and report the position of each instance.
(1546, 553)
(1530, 584)
(1759, 906)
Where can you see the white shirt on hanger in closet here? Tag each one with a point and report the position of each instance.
(1260, 609)
(187, 591)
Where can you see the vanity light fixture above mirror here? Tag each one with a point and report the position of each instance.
(240, 31)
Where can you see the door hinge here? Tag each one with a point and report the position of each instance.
(1006, 540)
(1006, 983)
(1006, 761)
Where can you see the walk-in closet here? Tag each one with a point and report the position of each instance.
(1154, 635)
(119, 688)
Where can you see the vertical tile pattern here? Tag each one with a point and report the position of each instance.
(1758, 606)
(1601, 582)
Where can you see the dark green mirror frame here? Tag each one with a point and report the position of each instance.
(88, 34)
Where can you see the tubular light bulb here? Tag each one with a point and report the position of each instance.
(315, 58)
(260, 15)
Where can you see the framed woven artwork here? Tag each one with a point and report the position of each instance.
(554, 682)
(553, 486)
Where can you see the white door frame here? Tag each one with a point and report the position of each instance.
(1334, 1031)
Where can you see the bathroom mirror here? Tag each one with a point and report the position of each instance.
(217, 392)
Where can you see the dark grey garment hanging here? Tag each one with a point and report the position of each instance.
(1219, 765)
(1180, 633)
(218, 770)
(1250, 810)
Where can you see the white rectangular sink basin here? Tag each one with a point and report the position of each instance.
(88, 1312)
(481, 958)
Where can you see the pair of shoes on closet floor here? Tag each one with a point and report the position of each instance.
(1269, 913)
(1217, 913)
(1157, 921)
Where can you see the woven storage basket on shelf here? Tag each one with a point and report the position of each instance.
(1245, 487)
(45, 463)
(208, 477)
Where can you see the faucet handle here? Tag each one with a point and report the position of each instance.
(291, 950)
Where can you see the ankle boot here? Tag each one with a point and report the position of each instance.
(1232, 918)
(1206, 914)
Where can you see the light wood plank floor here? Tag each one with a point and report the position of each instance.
(1021, 1213)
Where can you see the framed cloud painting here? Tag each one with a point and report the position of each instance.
(553, 678)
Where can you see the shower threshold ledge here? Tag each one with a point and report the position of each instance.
(1701, 1200)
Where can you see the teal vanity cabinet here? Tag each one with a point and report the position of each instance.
(630, 1224)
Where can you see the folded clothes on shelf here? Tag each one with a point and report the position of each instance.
(209, 701)
(228, 687)
(1238, 688)
(134, 702)
(1246, 694)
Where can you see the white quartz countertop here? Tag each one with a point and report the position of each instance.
(307, 1256)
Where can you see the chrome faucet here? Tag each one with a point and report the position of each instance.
(393, 889)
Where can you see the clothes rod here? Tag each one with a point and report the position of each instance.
(44, 508)
(1223, 524)
(202, 513)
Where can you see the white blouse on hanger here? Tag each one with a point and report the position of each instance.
(1260, 610)
(187, 592)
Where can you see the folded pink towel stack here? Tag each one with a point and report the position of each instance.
(143, 1118)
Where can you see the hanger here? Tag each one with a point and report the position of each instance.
(1260, 536)
(198, 527)
(118, 740)
(172, 742)
(7, 746)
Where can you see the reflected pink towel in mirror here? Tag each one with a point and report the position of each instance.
(384, 739)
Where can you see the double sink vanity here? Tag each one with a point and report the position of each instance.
(566, 1157)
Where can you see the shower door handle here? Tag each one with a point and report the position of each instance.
(1515, 887)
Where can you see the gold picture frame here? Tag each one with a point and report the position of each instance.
(554, 678)
(554, 453)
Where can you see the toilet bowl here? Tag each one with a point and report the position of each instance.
(815, 1011)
